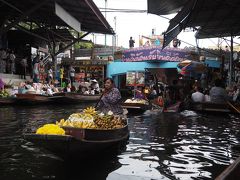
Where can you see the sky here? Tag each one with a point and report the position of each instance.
(137, 24)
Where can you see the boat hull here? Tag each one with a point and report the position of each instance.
(7, 101)
(212, 107)
(231, 172)
(32, 99)
(70, 98)
(136, 107)
(82, 142)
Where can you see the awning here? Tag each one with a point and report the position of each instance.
(163, 7)
(43, 12)
(215, 18)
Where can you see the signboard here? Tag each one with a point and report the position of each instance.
(130, 79)
(155, 53)
(135, 78)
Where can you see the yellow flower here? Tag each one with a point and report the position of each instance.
(51, 129)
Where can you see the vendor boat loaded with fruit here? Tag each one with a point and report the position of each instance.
(82, 133)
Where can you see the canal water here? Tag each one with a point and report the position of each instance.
(183, 145)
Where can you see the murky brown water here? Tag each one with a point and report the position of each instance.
(161, 146)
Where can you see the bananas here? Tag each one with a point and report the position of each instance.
(90, 119)
(76, 124)
(90, 110)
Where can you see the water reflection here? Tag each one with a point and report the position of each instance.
(161, 146)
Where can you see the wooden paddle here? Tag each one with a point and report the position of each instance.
(99, 100)
(230, 104)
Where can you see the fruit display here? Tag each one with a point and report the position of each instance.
(90, 119)
(4, 93)
(80, 117)
(50, 129)
(76, 124)
(108, 122)
(138, 101)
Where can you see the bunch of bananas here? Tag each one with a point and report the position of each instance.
(4, 93)
(80, 117)
(76, 124)
(90, 110)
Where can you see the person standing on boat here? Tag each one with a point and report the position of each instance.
(61, 71)
(50, 75)
(111, 98)
(72, 74)
(217, 93)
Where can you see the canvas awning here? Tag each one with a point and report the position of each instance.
(43, 13)
(215, 18)
(164, 7)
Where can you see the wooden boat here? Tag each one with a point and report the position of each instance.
(232, 172)
(7, 101)
(173, 108)
(214, 107)
(136, 107)
(81, 142)
(73, 98)
(26, 99)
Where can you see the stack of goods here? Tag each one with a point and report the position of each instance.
(4, 93)
(137, 101)
(88, 119)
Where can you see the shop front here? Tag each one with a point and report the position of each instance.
(86, 70)
(155, 63)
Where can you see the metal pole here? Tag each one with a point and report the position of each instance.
(115, 35)
(106, 19)
(231, 61)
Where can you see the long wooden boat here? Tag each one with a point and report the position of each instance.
(173, 108)
(232, 172)
(73, 98)
(26, 99)
(81, 142)
(7, 101)
(136, 107)
(209, 107)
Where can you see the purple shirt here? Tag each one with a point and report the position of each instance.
(111, 102)
(1, 84)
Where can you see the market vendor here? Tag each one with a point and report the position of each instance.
(1, 84)
(139, 94)
(111, 98)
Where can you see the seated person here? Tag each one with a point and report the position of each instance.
(207, 97)
(86, 92)
(236, 94)
(217, 93)
(139, 93)
(68, 88)
(49, 91)
(198, 96)
(92, 91)
(95, 86)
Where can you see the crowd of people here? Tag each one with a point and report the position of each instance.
(7, 61)
(50, 88)
(217, 93)
(190, 90)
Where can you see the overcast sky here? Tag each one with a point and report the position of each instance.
(136, 24)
